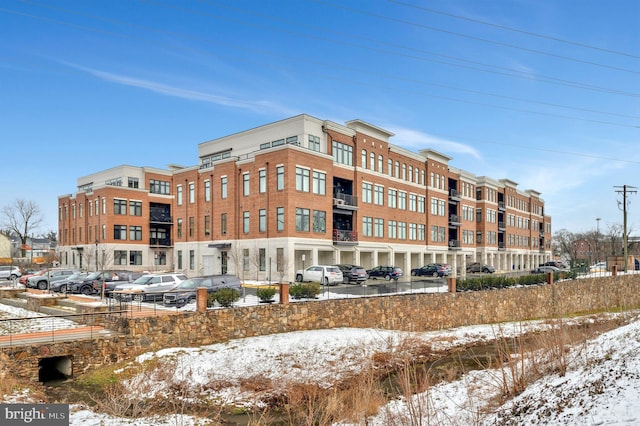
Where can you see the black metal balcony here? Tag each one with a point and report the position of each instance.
(454, 195)
(344, 237)
(160, 242)
(454, 220)
(345, 201)
(454, 245)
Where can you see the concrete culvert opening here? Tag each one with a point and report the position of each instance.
(54, 369)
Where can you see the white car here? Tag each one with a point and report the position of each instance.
(10, 272)
(598, 267)
(324, 274)
(148, 287)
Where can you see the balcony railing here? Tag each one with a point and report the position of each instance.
(341, 199)
(160, 242)
(501, 205)
(454, 244)
(341, 236)
(160, 217)
(454, 194)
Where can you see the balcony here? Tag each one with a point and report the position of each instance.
(501, 206)
(454, 195)
(345, 238)
(454, 220)
(160, 242)
(345, 201)
(501, 226)
(454, 245)
(501, 246)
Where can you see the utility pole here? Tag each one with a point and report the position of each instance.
(598, 239)
(625, 190)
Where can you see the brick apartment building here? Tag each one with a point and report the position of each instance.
(267, 201)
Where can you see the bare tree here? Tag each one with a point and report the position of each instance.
(22, 218)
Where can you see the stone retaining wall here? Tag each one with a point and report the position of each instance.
(408, 312)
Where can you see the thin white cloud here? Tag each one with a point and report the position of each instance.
(178, 92)
(417, 140)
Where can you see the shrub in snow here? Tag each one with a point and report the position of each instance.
(305, 290)
(265, 294)
(225, 297)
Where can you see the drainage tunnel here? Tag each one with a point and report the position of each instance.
(54, 368)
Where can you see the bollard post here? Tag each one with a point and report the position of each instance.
(201, 299)
(549, 277)
(284, 293)
(451, 283)
(614, 270)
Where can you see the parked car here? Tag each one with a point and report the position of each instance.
(185, 292)
(62, 285)
(544, 269)
(430, 270)
(352, 273)
(10, 272)
(91, 283)
(23, 279)
(148, 287)
(386, 272)
(476, 267)
(41, 282)
(324, 274)
(111, 279)
(598, 267)
(557, 264)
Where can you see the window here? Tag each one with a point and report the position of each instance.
(135, 257)
(207, 225)
(319, 183)
(413, 231)
(119, 232)
(179, 227)
(372, 161)
(389, 167)
(132, 182)
(223, 187)
(207, 191)
(402, 230)
(192, 226)
(397, 169)
(393, 196)
(262, 259)
(245, 184)
(410, 176)
(280, 219)
(192, 193)
(380, 164)
(119, 207)
(280, 259)
(413, 202)
(245, 222)
(342, 153)
(367, 226)
(402, 200)
(280, 178)
(104, 205)
(192, 259)
(302, 219)
(262, 181)
(179, 259)
(262, 220)
(179, 195)
(302, 179)
(119, 257)
(135, 233)
(314, 143)
(421, 232)
(135, 208)
(223, 223)
(393, 229)
(245, 259)
(367, 192)
(159, 187)
(104, 232)
(319, 221)
(378, 228)
(364, 158)
(378, 195)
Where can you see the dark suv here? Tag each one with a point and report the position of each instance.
(353, 273)
(90, 284)
(185, 292)
(386, 272)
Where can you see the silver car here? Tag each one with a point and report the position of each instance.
(148, 287)
(324, 274)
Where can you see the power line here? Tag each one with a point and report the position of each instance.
(515, 30)
(480, 39)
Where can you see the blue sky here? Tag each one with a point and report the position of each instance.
(545, 93)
